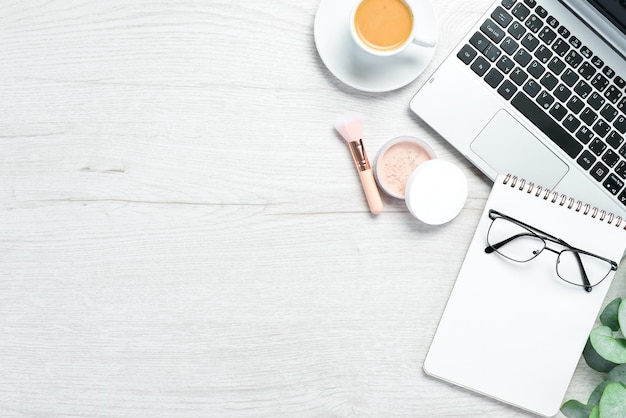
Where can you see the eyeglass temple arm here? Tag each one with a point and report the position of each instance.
(493, 247)
(493, 214)
(586, 285)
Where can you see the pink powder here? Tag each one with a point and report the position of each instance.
(397, 163)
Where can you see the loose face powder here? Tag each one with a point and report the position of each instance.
(397, 160)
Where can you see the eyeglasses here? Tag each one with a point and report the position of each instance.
(521, 242)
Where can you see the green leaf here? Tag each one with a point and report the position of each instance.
(621, 314)
(595, 361)
(594, 399)
(595, 413)
(575, 409)
(613, 401)
(618, 374)
(609, 316)
(610, 348)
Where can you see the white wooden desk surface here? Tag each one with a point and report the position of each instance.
(183, 234)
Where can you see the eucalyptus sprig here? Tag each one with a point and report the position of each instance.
(605, 352)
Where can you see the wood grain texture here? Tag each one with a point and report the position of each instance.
(183, 234)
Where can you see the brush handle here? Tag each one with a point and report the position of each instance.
(371, 191)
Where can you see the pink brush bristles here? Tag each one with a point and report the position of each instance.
(350, 126)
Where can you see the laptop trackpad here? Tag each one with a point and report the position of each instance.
(508, 147)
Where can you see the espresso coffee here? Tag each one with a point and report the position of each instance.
(383, 25)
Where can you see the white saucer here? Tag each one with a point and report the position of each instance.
(355, 67)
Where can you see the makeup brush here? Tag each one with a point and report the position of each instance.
(350, 127)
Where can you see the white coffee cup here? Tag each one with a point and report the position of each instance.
(422, 32)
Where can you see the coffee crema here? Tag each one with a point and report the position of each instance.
(384, 25)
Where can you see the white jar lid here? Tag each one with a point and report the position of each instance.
(436, 192)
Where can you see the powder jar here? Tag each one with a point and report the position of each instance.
(396, 160)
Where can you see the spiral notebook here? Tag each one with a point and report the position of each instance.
(515, 330)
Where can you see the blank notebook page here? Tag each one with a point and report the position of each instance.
(516, 331)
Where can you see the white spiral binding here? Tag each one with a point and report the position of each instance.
(546, 194)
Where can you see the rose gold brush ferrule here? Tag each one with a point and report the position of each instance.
(359, 155)
(367, 177)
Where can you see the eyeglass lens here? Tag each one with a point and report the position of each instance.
(568, 267)
(520, 244)
(514, 241)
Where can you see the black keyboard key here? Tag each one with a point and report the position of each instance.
(494, 77)
(564, 32)
(569, 77)
(558, 111)
(505, 64)
(622, 151)
(597, 62)
(543, 54)
(552, 22)
(536, 69)
(620, 124)
(556, 65)
(522, 57)
(541, 12)
(608, 112)
(588, 116)
(575, 42)
(480, 66)
(613, 184)
(507, 4)
(507, 89)
(622, 105)
(608, 71)
(614, 139)
(597, 146)
(562, 93)
(532, 88)
(530, 42)
(622, 198)
(573, 58)
(620, 170)
(517, 30)
(575, 104)
(582, 89)
(547, 35)
(600, 82)
(586, 70)
(610, 158)
(549, 81)
(479, 41)
(560, 47)
(613, 94)
(518, 76)
(520, 11)
(493, 31)
(545, 100)
(492, 52)
(619, 82)
(586, 52)
(533, 23)
(547, 125)
(509, 45)
(501, 17)
(467, 54)
(584, 134)
(586, 160)
(571, 123)
(595, 100)
(601, 128)
(599, 171)
(531, 3)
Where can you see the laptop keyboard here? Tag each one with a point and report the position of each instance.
(559, 84)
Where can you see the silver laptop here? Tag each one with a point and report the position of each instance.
(538, 88)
